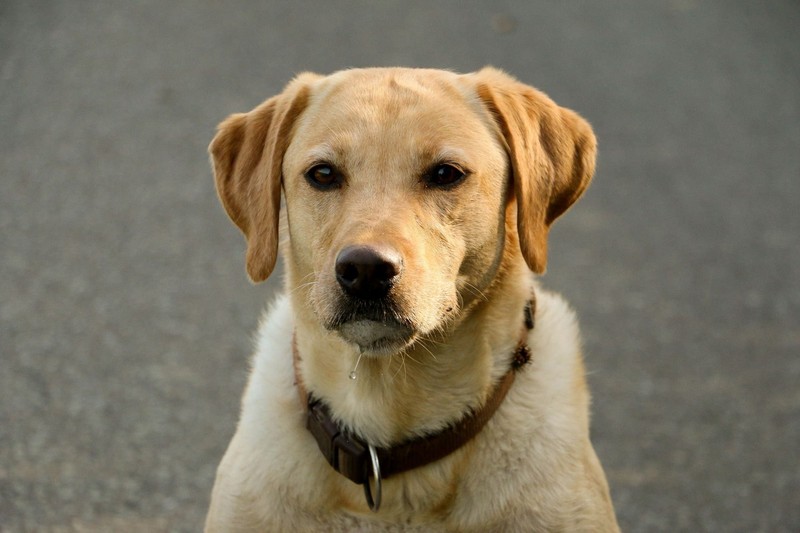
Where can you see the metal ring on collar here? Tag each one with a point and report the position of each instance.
(374, 504)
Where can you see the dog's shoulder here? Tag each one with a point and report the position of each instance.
(273, 340)
(270, 423)
(555, 342)
(272, 382)
(543, 427)
(556, 370)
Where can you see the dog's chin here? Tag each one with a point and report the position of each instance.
(377, 338)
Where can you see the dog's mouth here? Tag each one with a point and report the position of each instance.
(377, 337)
(375, 326)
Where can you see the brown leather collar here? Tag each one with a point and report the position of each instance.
(356, 460)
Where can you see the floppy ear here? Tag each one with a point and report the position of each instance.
(552, 152)
(247, 154)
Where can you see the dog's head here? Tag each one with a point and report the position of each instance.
(406, 191)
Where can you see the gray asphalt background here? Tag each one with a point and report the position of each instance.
(126, 315)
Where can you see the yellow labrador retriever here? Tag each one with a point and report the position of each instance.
(412, 377)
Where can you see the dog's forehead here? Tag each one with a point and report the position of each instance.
(428, 109)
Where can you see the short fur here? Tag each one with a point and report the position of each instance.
(467, 254)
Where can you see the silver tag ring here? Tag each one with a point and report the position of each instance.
(374, 504)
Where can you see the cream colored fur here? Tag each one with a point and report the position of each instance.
(467, 252)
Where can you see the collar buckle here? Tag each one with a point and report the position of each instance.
(346, 454)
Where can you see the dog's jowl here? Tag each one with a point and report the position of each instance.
(412, 376)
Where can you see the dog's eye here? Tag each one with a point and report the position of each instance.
(444, 175)
(323, 177)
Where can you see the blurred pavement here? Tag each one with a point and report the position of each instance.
(126, 315)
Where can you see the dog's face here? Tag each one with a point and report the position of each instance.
(399, 185)
(395, 200)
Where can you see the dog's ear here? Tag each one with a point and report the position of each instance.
(552, 152)
(247, 155)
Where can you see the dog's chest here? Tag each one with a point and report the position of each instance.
(294, 488)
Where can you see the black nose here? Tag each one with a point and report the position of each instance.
(367, 272)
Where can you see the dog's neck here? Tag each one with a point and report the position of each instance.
(429, 386)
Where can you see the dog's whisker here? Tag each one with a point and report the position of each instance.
(302, 286)
(418, 362)
(400, 366)
(308, 276)
(438, 336)
(430, 352)
(476, 291)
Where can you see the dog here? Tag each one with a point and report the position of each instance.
(412, 376)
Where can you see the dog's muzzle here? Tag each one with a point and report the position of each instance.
(368, 315)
